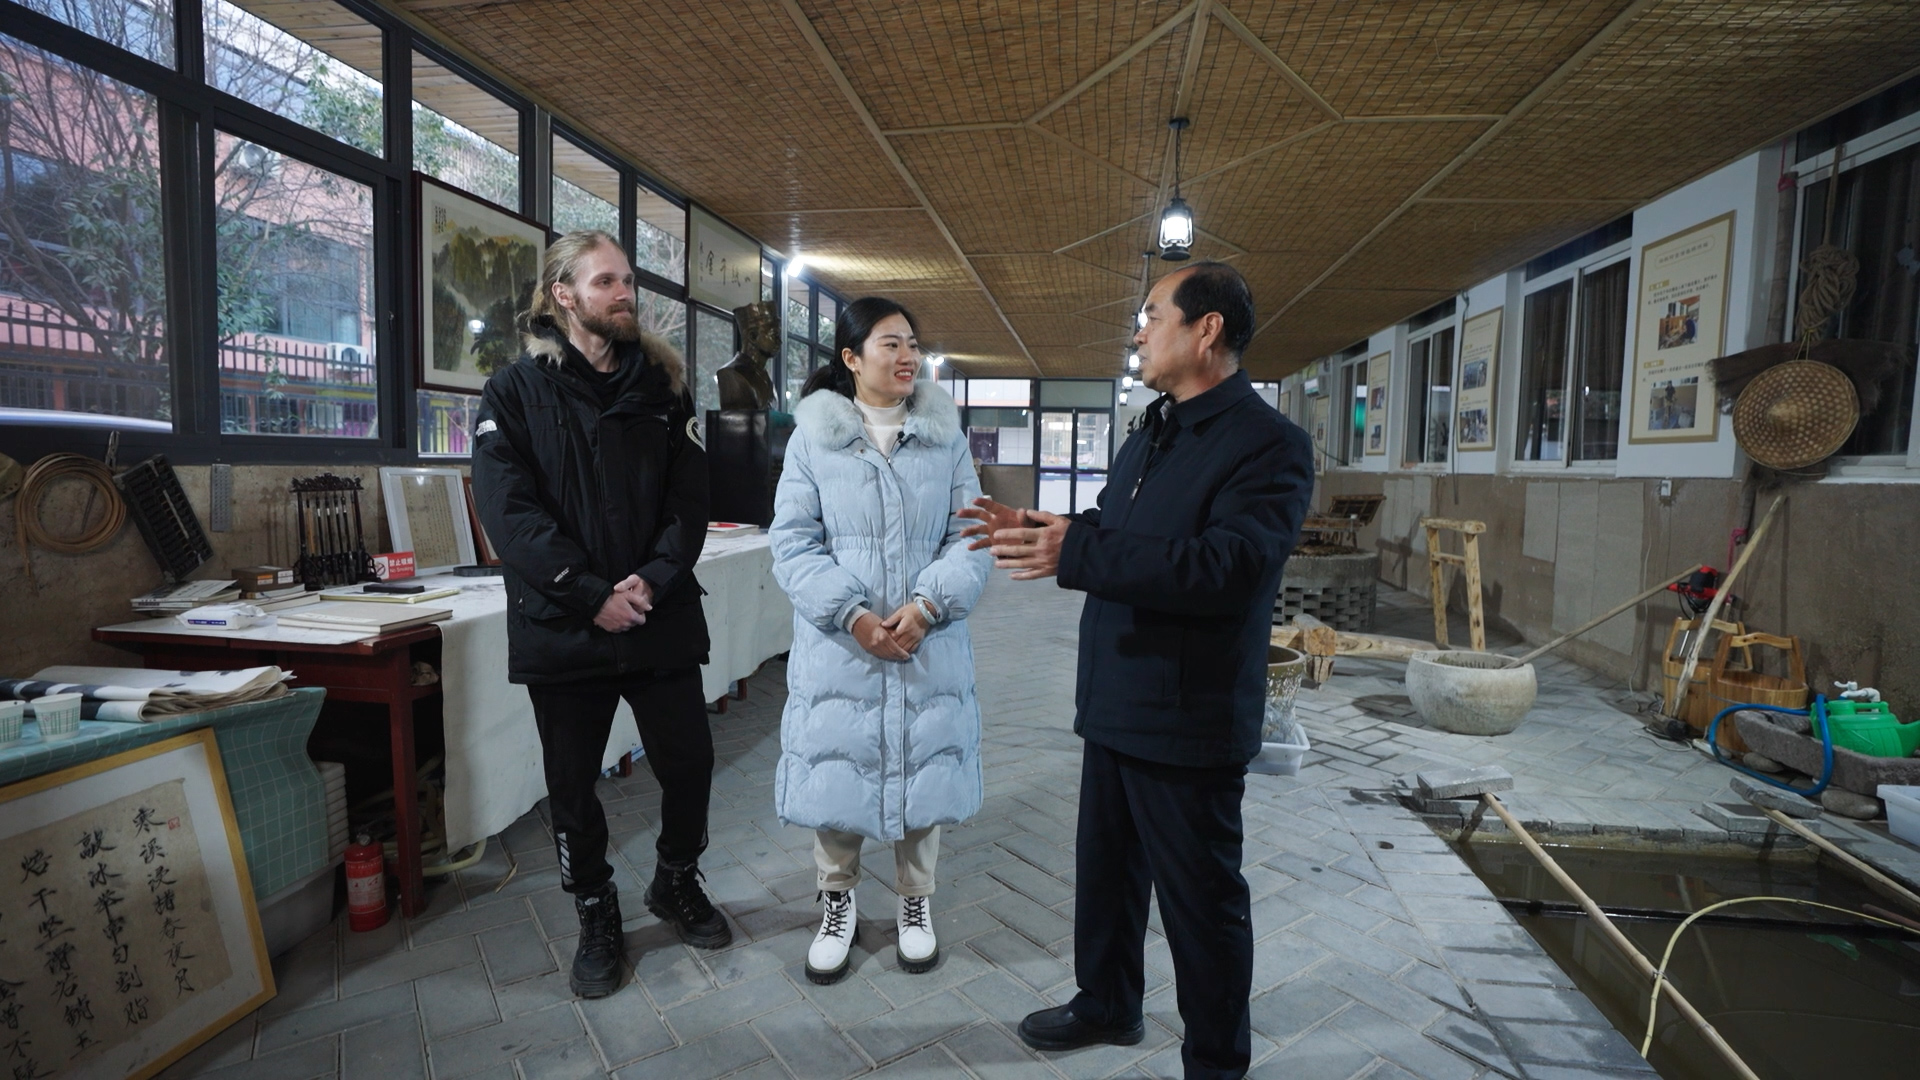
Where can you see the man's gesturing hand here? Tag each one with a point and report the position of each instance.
(993, 517)
(872, 635)
(1031, 553)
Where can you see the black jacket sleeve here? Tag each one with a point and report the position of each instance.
(1254, 520)
(505, 485)
(683, 521)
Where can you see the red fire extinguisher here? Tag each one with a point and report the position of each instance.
(366, 885)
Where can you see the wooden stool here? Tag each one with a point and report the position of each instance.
(1476, 615)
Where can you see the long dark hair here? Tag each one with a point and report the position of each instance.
(851, 331)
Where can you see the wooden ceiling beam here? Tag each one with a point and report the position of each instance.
(1183, 15)
(1240, 30)
(859, 106)
(1546, 86)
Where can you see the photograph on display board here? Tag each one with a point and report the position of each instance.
(135, 934)
(477, 265)
(1377, 369)
(1681, 330)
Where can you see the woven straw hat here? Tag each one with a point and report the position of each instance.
(1795, 414)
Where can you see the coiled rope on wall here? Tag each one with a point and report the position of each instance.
(30, 526)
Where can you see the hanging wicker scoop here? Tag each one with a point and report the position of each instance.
(1795, 414)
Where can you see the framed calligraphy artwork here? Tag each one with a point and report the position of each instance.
(128, 932)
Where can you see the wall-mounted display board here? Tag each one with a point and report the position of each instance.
(726, 262)
(128, 933)
(1378, 370)
(1479, 367)
(1682, 325)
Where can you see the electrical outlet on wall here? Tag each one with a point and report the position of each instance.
(1666, 491)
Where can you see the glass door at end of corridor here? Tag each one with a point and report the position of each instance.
(1075, 449)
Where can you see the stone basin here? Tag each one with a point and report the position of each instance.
(1470, 693)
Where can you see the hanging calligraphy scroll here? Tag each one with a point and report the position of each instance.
(128, 933)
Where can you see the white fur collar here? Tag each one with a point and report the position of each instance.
(832, 421)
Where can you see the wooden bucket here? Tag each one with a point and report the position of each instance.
(1698, 709)
(1729, 684)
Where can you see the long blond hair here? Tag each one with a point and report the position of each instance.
(561, 266)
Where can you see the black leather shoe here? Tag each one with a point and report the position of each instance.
(597, 958)
(675, 898)
(1059, 1029)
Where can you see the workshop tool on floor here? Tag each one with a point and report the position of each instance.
(1320, 642)
(1469, 561)
(1622, 607)
(1675, 702)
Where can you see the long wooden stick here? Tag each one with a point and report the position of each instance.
(1571, 634)
(1626, 947)
(1713, 609)
(1844, 856)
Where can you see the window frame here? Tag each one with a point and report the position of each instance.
(1575, 272)
(1427, 333)
(1884, 141)
(191, 113)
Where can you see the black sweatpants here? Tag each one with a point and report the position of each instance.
(575, 720)
(1178, 831)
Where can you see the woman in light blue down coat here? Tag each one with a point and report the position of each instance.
(881, 735)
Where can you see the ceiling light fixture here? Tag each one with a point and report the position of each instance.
(936, 359)
(1176, 221)
(1133, 361)
(1126, 383)
(796, 264)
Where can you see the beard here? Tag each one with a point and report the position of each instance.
(614, 326)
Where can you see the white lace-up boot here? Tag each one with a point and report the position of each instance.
(919, 951)
(828, 959)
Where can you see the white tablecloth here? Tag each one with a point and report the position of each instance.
(493, 749)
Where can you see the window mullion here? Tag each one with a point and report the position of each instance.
(393, 204)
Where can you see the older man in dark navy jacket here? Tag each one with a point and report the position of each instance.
(1180, 564)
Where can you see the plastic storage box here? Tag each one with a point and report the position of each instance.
(1903, 810)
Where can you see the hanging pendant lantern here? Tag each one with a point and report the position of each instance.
(1176, 222)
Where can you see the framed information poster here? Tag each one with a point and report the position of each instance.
(131, 933)
(1378, 378)
(1479, 366)
(725, 269)
(1681, 328)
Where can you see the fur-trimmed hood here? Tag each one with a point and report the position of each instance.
(832, 421)
(545, 343)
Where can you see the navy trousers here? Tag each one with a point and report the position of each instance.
(1174, 831)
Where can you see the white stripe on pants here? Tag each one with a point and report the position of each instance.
(837, 856)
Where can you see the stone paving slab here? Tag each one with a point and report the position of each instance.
(1378, 953)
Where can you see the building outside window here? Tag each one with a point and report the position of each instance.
(1430, 355)
(999, 421)
(1349, 406)
(1573, 341)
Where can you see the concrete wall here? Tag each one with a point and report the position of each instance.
(1834, 570)
(49, 619)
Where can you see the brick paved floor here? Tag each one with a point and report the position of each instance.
(1378, 955)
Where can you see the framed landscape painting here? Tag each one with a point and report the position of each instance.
(477, 265)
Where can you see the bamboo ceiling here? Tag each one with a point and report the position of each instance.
(999, 166)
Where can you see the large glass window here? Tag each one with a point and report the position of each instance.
(713, 347)
(335, 91)
(1572, 360)
(296, 328)
(1429, 399)
(465, 136)
(1877, 219)
(586, 191)
(1350, 435)
(799, 366)
(144, 27)
(659, 235)
(664, 316)
(82, 274)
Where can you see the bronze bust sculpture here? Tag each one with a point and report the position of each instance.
(744, 382)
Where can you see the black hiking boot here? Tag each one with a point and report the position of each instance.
(675, 898)
(596, 960)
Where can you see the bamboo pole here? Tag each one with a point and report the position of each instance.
(1634, 955)
(1844, 856)
(1571, 634)
(1713, 609)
